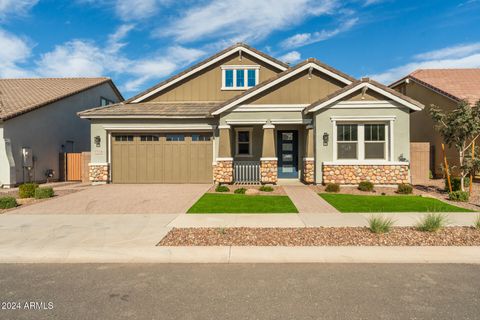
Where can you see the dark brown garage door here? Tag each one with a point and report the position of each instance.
(162, 158)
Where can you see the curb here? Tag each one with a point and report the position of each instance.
(331, 254)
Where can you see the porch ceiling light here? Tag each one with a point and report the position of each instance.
(325, 139)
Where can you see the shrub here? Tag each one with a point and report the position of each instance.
(456, 186)
(432, 222)
(332, 187)
(240, 191)
(461, 196)
(8, 202)
(365, 186)
(266, 189)
(43, 193)
(476, 224)
(380, 224)
(404, 188)
(27, 190)
(221, 188)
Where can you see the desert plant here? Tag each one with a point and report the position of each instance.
(266, 188)
(476, 224)
(221, 188)
(380, 224)
(365, 186)
(43, 193)
(240, 191)
(461, 196)
(332, 187)
(27, 190)
(404, 188)
(457, 183)
(432, 222)
(8, 202)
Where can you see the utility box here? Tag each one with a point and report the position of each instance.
(27, 157)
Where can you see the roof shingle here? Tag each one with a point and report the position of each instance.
(461, 84)
(19, 96)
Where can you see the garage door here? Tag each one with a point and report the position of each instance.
(162, 158)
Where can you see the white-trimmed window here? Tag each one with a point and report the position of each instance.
(239, 77)
(361, 141)
(243, 142)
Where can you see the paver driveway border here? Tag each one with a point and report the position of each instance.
(122, 199)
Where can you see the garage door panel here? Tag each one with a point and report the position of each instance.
(162, 161)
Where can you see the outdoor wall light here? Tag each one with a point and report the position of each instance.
(325, 139)
(97, 141)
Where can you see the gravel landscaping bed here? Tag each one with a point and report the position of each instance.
(350, 236)
(277, 190)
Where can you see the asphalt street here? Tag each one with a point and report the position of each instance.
(274, 291)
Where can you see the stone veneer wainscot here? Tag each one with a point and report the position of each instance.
(269, 171)
(98, 172)
(377, 174)
(223, 171)
(308, 171)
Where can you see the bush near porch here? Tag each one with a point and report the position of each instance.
(240, 203)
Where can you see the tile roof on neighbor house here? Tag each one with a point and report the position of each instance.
(153, 109)
(459, 84)
(19, 96)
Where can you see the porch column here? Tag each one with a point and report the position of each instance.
(223, 167)
(308, 171)
(268, 161)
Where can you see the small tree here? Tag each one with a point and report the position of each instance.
(459, 128)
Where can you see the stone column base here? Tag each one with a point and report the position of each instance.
(268, 171)
(377, 174)
(223, 171)
(98, 173)
(308, 172)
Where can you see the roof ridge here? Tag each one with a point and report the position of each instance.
(57, 78)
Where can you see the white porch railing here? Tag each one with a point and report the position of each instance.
(246, 172)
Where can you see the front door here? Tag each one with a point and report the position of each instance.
(287, 148)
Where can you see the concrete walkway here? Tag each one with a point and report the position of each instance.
(133, 238)
(307, 201)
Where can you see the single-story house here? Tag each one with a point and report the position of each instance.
(38, 120)
(242, 116)
(444, 88)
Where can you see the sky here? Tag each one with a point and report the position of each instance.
(139, 43)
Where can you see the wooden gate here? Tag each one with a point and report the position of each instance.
(74, 167)
(420, 162)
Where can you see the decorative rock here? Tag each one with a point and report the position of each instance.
(98, 173)
(268, 171)
(308, 172)
(252, 192)
(223, 171)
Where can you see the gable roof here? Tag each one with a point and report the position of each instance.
(19, 96)
(305, 65)
(151, 110)
(369, 84)
(239, 47)
(456, 84)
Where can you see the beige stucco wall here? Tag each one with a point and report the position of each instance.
(45, 130)
(206, 85)
(324, 124)
(422, 127)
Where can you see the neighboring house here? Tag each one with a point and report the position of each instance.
(39, 120)
(444, 88)
(243, 116)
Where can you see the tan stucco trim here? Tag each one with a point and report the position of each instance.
(268, 146)
(309, 150)
(225, 146)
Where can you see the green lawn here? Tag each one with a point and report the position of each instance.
(360, 203)
(239, 203)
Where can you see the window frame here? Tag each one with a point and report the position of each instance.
(388, 150)
(384, 141)
(348, 141)
(108, 101)
(235, 69)
(250, 142)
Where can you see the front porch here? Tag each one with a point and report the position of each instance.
(265, 153)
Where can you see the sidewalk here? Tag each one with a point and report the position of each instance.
(307, 201)
(133, 238)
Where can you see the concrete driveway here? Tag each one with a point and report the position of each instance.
(122, 199)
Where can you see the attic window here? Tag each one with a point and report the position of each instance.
(239, 77)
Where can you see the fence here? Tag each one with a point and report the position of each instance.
(420, 162)
(247, 172)
(74, 166)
